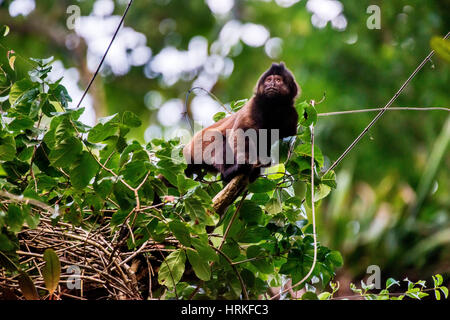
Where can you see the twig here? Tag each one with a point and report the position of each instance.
(383, 110)
(104, 56)
(186, 113)
(227, 230)
(241, 281)
(326, 114)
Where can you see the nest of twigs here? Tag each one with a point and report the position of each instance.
(98, 260)
(99, 267)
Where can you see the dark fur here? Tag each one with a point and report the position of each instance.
(271, 107)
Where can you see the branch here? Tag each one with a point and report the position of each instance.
(241, 281)
(225, 235)
(383, 110)
(229, 194)
(326, 114)
(106, 52)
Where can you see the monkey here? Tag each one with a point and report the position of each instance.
(229, 146)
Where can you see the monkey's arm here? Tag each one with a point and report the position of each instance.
(245, 155)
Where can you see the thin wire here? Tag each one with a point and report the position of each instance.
(352, 145)
(106, 52)
(186, 114)
(326, 114)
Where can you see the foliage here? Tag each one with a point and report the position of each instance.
(356, 67)
(95, 174)
(415, 290)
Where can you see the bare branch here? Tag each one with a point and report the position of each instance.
(104, 56)
(326, 114)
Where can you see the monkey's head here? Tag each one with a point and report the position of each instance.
(277, 82)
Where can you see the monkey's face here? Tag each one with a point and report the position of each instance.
(274, 86)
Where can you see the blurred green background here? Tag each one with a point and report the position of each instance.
(391, 207)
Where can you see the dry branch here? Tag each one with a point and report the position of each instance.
(229, 194)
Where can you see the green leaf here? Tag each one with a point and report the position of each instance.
(20, 123)
(390, 282)
(203, 248)
(300, 108)
(236, 105)
(261, 263)
(324, 296)
(437, 280)
(47, 108)
(251, 212)
(6, 244)
(219, 116)
(297, 265)
(18, 90)
(299, 189)
(308, 116)
(181, 232)
(25, 154)
(7, 148)
(303, 164)
(118, 217)
(329, 179)
(130, 119)
(39, 74)
(105, 128)
(65, 152)
(172, 269)
(60, 93)
(336, 258)
(195, 209)
(262, 185)
(83, 171)
(254, 234)
(444, 291)
(14, 218)
(437, 294)
(51, 271)
(27, 287)
(309, 296)
(273, 206)
(184, 184)
(305, 150)
(321, 191)
(43, 62)
(275, 172)
(134, 172)
(200, 265)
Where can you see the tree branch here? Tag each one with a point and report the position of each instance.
(326, 114)
(229, 194)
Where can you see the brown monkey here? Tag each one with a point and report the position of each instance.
(229, 146)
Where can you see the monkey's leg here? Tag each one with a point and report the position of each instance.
(236, 170)
(254, 174)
